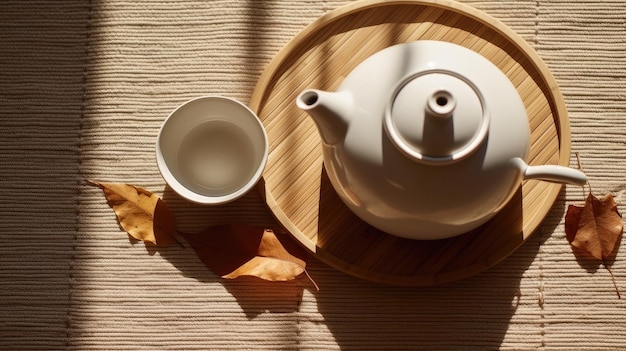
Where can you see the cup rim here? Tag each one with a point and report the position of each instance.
(191, 195)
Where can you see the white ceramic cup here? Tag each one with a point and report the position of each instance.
(212, 149)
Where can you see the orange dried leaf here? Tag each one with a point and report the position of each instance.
(142, 214)
(595, 229)
(268, 268)
(238, 250)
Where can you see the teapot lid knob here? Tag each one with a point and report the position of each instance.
(441, 104)
(436, 117)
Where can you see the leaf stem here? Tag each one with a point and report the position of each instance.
(608, 268)
(580, 167)
(317, 288)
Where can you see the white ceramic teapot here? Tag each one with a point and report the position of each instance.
(426, 140)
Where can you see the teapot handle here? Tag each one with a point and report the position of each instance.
(556, 174)
(551, 173)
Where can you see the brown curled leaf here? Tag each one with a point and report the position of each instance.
(595, 230)
(142, 214)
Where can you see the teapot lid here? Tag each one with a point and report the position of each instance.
(437, 117)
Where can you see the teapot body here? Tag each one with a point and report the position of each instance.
(424, 140)
(418, 200)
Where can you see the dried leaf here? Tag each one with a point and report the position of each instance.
(142, 214)
(238, 250)
(596, 228)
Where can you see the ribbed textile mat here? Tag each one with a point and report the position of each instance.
(84, 87)
(42, 85)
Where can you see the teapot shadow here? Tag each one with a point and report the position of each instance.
(452, 315)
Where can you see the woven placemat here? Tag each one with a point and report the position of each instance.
(84, 87)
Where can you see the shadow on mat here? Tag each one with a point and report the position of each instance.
(255, 296)
(474, 313)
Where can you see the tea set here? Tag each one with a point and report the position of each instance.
(423, 140)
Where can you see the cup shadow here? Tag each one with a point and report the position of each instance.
(254, 295)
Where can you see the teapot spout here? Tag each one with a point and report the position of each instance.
(330, 111)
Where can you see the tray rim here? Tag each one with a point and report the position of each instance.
(553, 95)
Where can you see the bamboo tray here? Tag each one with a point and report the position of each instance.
(296, 187)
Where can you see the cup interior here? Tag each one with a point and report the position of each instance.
(212, 149)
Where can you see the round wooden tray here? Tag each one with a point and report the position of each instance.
(296, 187)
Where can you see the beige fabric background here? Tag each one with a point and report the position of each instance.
(84, 87)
